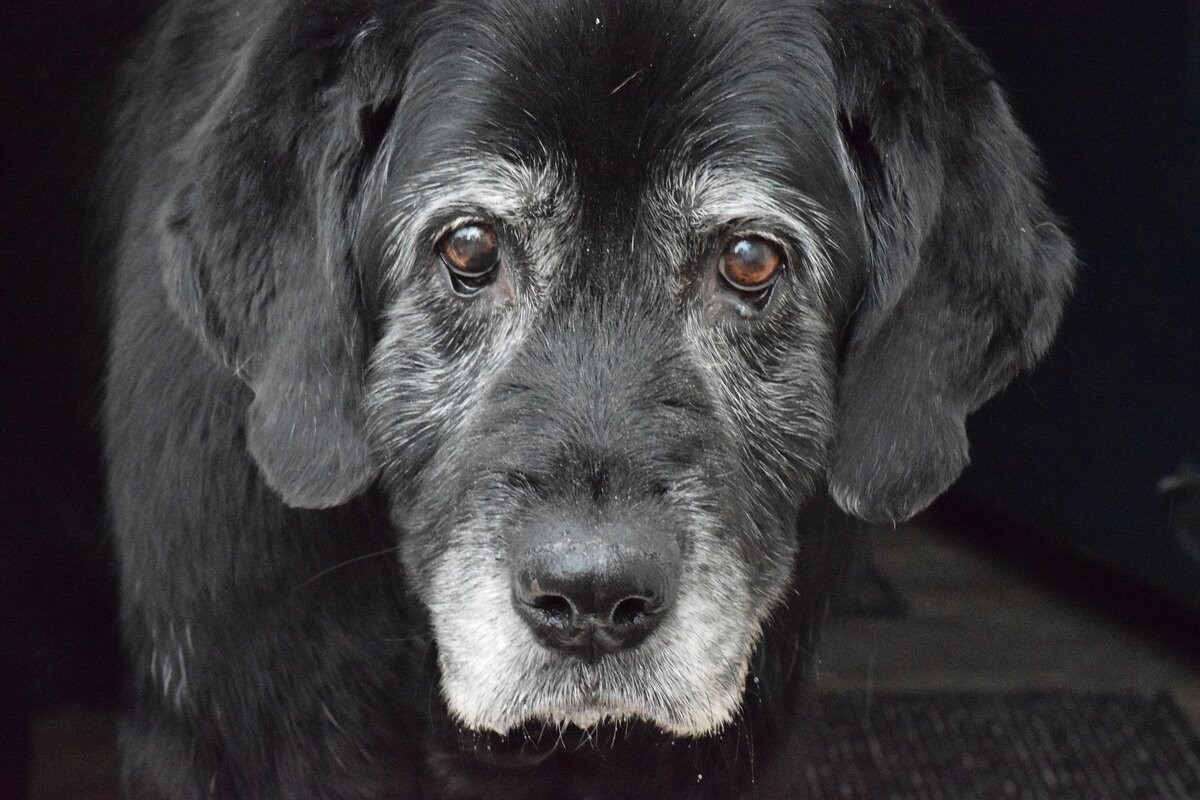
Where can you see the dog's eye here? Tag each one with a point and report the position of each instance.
(471, 253)
(750, 265)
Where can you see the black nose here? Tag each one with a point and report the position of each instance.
(592, 597)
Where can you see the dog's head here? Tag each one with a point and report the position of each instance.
(603, 293)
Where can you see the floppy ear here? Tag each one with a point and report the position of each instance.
(967, 268)
(256, 239)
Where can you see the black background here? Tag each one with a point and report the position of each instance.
(1110, 92)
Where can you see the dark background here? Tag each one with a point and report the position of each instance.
(1110, 92)
(1066, 462)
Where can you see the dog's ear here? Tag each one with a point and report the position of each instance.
(256, 238)
(967, 268)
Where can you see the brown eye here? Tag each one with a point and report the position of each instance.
(750, 264)
(471, 253)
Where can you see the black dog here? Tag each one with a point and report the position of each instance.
(484, 376)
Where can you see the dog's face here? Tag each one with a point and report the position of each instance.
(645, 368)
(603, 295)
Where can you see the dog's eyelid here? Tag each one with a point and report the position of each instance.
(786, 234)
(460, 220)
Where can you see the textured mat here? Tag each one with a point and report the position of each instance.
(1033, 746)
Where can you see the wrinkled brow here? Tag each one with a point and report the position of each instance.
(709, 198)
(679, 199)
(515, 191)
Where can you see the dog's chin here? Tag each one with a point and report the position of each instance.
(589, 716)
(589, 698)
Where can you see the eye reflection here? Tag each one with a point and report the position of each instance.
(471, 249)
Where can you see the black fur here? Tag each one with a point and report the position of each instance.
(275, 435)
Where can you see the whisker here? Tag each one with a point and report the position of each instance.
(347, 562)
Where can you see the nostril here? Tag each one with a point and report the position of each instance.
(631, 611)
(555, 608)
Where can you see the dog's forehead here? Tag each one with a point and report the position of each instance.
(617, 89)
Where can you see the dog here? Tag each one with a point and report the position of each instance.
(490, 383)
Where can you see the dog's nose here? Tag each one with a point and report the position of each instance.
(592, 598)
